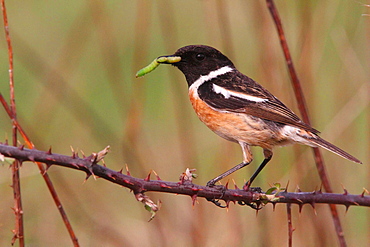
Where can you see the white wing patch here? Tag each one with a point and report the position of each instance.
(227, 93)
(221, 90)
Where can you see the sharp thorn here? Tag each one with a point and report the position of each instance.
(286, 187)
(298, 189)
(49, 151)
(347, 207)
(320, 190)
(194, 199)
(345, 190)
(300, 208)
(87, 177)
(120, 171)
(158, 178)
(363, 192)
(46, 169)
(227, 185)
(235, 186)
(227, 205)
(127, 171)
(148, 177)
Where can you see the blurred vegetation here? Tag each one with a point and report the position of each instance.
(75, 63)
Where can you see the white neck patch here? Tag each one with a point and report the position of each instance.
(210, 76)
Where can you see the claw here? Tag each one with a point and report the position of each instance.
(216, 202)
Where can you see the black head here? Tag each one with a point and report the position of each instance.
(197, 60)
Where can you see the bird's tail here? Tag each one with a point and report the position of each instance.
(328, 146)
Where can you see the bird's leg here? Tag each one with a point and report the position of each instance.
(268, 155)
(212, 182)
(247, 155)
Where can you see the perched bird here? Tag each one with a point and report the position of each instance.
(239, 109)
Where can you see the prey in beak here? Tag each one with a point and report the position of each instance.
(153, 65)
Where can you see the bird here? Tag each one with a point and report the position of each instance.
(240, 110)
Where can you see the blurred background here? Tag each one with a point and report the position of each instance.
(75, 65)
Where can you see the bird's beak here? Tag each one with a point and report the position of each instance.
(168, 59)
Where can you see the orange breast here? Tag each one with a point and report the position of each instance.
(236, 127)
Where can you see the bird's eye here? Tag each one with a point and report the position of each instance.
(200, 56)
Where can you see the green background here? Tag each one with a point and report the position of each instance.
(75, 65)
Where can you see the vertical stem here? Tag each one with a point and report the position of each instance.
(304, 112)
(18, 211)
(290, 225)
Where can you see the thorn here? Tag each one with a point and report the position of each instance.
(345, 190)
(127, 171)
(286, 187)
(21, 147)
(49, 151)
(227, 185)
(273, 206)
(87, 177)
(148, 177)
(347, 207)
(158, 178)
(120, 171)
(314, 192)
(320, 190)
(194, 199)
(83, 154)
(227, 205)
(46, 169)
(314, 208)
(236, 186)
(298, 189)
(300, 207)
(363, 192)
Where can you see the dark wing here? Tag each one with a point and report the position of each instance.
(238, 93)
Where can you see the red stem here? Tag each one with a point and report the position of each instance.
(18, 211)
(304, 112)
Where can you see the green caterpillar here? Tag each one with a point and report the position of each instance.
(153, 65)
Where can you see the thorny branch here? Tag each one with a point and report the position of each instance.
(184, 187)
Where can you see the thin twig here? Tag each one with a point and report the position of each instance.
(304, 112)
(290, 225)
(18, 211)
